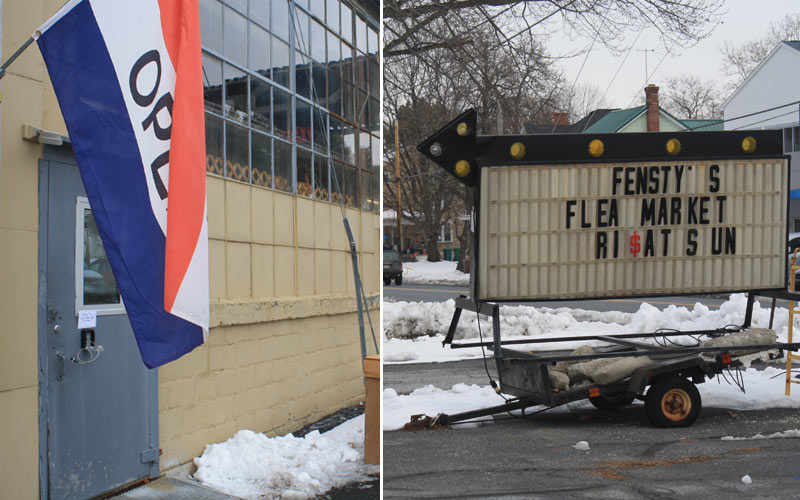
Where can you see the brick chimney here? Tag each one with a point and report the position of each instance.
(651, 98)
(560, 118)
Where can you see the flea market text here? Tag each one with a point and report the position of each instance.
(663, 207)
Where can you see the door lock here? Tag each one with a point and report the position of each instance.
(89, 351)
(57, 328)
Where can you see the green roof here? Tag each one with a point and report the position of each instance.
(615, 120)
(703, 125)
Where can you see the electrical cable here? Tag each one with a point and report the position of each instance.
(485, 363)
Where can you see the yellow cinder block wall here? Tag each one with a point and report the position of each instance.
(284, 347)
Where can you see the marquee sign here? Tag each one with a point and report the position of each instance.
(576, 216)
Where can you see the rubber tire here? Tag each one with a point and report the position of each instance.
(682, 388)
(387, 281)
(612, 401)
(398, 280)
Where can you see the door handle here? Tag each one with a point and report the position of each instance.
(59, 366)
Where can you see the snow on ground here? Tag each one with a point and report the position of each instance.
(765, 389)
(413, 331)
(790, 434)
(442, 272)
(253, 466)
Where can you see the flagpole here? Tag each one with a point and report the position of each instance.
(14, 56)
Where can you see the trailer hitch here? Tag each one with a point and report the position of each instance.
(421, 422)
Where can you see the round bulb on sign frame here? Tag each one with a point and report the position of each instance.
(673, 146)
(462, 129)
(749, 144)
(436, 149)
(517, 151)
(462, 168)
(596, 148)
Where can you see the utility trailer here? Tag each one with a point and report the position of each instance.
(581, 216)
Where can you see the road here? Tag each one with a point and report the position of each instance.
(439, 293)
(628, 458)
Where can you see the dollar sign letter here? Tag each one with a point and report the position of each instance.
(636, 247)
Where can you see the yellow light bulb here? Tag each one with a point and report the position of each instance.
(596, 148)
(462, 129)
(673, 146)
(462, 168)
(749, 144)
(517, 151)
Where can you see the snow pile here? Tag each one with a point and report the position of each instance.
(397, 410)
(413, 331)
(747, 480)
(442, 272)
(253, 466)
(581, 446)
(765, 389)
(790, 434)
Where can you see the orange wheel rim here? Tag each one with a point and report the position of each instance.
(676, 404)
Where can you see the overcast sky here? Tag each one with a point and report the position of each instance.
(744, 20)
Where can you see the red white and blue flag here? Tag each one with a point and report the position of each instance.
(128, 77)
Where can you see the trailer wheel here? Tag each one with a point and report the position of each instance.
(672, 402)
(398, 280)
(611, 401)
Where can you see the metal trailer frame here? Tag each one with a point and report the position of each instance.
(525, 375)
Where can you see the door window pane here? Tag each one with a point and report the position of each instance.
(374, 116)
(235, 34)
(283, 166)
(214, 163)
(235, 95)
(364, 151)
(237, 153)
(304, 173)
(262, 159)
(374, 78)
(348, 102)
(99, 285)
(334, 53)
(372, 41)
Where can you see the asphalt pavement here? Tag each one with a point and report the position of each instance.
(411, 292)
(628, 458)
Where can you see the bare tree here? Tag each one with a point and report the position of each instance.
(740, 59)
(413, 27)
(688, 96)
(582, 100)
(508, 86)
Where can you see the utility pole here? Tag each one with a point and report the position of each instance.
(398, 190)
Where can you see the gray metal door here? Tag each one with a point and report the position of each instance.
(100, 407)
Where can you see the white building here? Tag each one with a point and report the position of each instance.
(769, 99)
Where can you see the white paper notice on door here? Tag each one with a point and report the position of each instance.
(87, 319)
